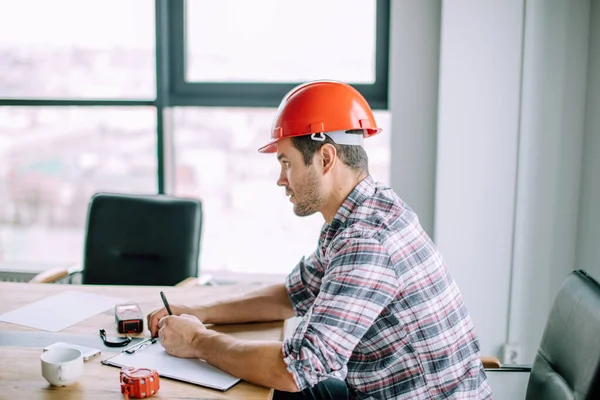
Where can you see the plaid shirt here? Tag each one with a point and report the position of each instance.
(380, 309)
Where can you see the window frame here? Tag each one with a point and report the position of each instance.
(263, 94)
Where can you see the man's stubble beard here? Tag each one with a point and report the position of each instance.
(311, 199)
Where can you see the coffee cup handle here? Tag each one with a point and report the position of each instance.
(61, 372)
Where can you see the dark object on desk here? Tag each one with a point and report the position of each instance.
(567, 363)
(129, 318)
(138, 240)
(122, 342)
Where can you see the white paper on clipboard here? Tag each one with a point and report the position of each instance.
(188, 370)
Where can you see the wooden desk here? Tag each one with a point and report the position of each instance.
(20, 370)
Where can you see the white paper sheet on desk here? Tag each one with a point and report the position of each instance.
(188, 370)
(57, 312)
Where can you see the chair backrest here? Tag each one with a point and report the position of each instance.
(141, 239)
(567, 364)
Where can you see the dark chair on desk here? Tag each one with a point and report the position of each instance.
(567, 364)
(138, 240)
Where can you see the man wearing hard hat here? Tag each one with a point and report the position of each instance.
(381, 317)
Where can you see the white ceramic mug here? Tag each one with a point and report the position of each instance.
(62, 367)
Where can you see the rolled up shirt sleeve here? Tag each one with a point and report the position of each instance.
(359, 282)
(302, 284)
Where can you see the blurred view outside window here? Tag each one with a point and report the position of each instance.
(77, 49)
(249, 223)
(53, 159)
(282, 41)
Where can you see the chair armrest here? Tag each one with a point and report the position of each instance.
(490, 362)
(55, 274)
(203, 280)
(51, 275)
(191, 281)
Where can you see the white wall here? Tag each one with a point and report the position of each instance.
(506, 149)
(413, 103)
(551, 145)
(480, 67)
(588, 238)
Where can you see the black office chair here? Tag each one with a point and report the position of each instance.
(567, 363)
(138, 240)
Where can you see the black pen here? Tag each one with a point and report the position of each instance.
(166, 303)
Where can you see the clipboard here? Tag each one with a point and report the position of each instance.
(151, 354)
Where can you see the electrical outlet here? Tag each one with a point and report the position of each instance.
(511, 353)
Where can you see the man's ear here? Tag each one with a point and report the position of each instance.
(328, 155)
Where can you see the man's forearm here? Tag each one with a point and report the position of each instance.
(258, 362)
(268, 304)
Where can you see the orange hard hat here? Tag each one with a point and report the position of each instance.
(319, 107)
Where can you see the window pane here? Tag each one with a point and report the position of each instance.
(280, 41)
(77, 49)
(249, 225)
(52, 160)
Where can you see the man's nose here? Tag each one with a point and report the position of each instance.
(282, 181)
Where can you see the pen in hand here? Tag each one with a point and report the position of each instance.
(166, 303)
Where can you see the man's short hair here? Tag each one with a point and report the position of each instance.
(353, 156)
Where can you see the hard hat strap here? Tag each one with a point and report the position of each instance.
(340, 137)
(318, 137)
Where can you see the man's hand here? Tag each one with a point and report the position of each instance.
(256, 361)
(178, 335)
(156, 315)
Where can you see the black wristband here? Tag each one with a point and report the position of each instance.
(126, 340)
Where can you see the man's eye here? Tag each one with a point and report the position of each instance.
(286, 164)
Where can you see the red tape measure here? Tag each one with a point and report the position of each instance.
(129, 318)
(139, 383)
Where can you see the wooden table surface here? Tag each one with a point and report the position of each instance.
(20, 370)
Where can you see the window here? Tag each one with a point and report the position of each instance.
(233, 53)
(249, 225)
(77, 49)
(53, 160)
(280, 41)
